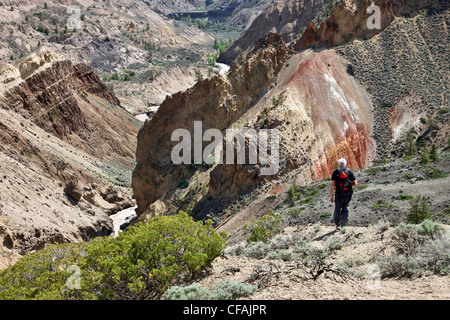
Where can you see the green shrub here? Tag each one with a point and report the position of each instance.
(386, 104)
(410, 147)
(257, 250)
(184, 184)
(292, 196)
(425, 155)
(335, 243)
(308, 200)
(325, 215)
(192, 292)
(398, 265)
(406, 238)
(430, 229)
(434, 173)
(295, 211)
(235, 250)
(140, 263)
(263, 228)
(435, 256)
(226, 290)
(408, 158)
(322, 186)
(198, 75)
(281, 254)
(353, 261)
(41, 275)
(281, 241)
(434, 154)
(126, 77)
(382, 205)
(262, 119)
(405, 197)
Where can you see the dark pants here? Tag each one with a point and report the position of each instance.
(340, 212)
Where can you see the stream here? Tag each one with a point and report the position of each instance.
(121, 217)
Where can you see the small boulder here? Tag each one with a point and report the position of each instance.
(74, 190)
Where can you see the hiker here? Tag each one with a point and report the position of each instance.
(342, 180)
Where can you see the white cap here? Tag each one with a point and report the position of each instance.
(342, 162)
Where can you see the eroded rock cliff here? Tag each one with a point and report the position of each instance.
(64, 141)
(217, 102)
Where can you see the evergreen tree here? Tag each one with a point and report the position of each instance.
(425, 155)
(420, 210)
(434, 154)
(410, 147)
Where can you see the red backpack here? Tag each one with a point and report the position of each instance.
(344, 188)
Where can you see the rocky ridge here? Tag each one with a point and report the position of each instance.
(62, 164)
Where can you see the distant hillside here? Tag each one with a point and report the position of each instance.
(286, 17)
(123, 41)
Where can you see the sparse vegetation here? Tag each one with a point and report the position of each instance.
(434, 173)
(325, 215)
(405, 197)
(381, 204)
(419, 249)
(296, 192)
(373, 170)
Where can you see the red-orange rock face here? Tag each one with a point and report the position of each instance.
(337, 109)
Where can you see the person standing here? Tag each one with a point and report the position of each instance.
(342, 180)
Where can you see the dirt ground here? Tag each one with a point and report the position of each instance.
(286, 280)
